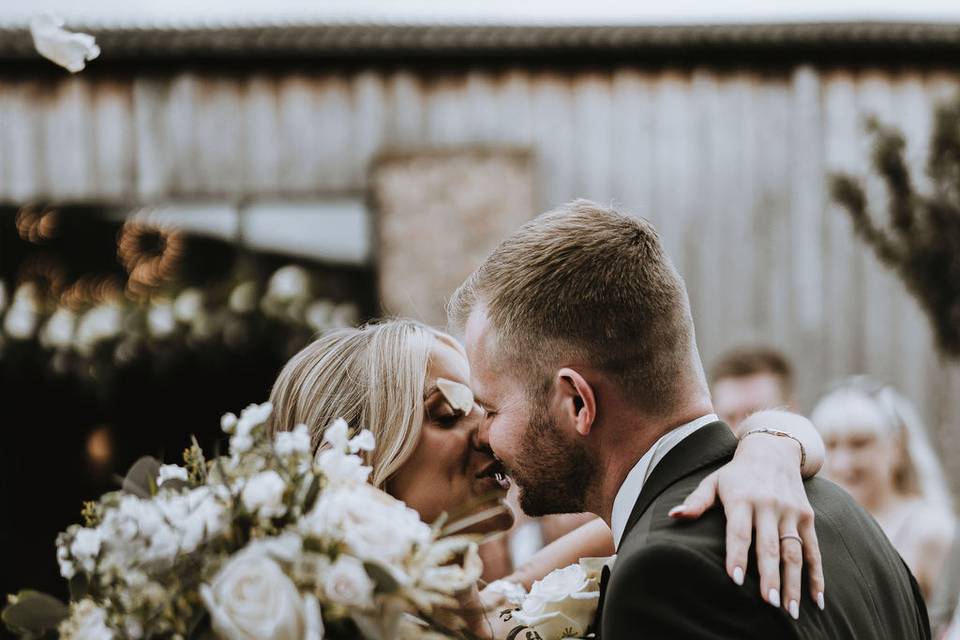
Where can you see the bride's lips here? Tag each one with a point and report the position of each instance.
(494, 473)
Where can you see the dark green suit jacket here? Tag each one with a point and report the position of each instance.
(669, 579)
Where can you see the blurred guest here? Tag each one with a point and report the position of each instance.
(749, 379)
(877, 450)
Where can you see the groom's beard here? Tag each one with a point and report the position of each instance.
(553, 474)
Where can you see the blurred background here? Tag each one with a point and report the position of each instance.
(228, 179)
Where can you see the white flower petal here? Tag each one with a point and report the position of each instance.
(458, 395)
(69, 50)
(363, 441)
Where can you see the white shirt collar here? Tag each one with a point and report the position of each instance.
(633, 484)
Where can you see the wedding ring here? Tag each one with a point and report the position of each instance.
(791, 536)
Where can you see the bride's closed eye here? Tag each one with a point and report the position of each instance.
(444, 415)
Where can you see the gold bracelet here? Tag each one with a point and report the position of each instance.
(782, 434)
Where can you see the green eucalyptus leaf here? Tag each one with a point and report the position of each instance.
(32, 614)
(385, 583)
(79, 586)
(312, 494)
(141, 480)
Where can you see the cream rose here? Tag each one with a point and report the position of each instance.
(251, 598)
(347, 583)
(561, 605)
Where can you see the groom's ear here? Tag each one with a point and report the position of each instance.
(577, 399)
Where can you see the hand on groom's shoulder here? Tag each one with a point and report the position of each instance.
(669, 580)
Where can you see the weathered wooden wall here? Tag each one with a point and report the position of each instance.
(730, 165)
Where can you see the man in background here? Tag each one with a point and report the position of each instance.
(750, 379)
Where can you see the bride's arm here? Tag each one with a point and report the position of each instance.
(588, 540)
(763, 498)
(795, 425)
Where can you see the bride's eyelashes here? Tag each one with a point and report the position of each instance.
(443, 414)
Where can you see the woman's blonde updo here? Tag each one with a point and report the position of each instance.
(373, 377)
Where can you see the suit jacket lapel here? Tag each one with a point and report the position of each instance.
(708, 445)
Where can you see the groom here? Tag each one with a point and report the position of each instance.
(582, 349)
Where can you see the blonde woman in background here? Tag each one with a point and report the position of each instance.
(877, 449)
(409, 384)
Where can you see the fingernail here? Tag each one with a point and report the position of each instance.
(820, 601)
(774, 597)
(738, 576)
(680, 508)
(795, 609)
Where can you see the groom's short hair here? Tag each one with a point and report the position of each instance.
(586, 284)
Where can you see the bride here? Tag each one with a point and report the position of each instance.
(408, 384)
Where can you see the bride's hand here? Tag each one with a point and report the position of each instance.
(762, 489)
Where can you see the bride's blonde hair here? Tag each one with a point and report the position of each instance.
(372, 376)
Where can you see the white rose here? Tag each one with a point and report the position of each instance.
(263, 493)
(71, 51)
(371, 524)
(87, 621)
(171, 472)
(252, 599)
(560, 605)
(347, 582)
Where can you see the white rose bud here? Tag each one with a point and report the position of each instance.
(347, 583)
(251, 598)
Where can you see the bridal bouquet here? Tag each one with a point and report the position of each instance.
(265, 542)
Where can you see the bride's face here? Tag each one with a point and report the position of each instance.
(449, 472)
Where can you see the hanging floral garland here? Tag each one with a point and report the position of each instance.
(94, 325)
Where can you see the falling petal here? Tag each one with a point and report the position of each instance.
(71, 51)
(458, 395)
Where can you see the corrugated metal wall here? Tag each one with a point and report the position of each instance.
(731, 167)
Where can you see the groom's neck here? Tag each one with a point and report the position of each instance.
(630, 437)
